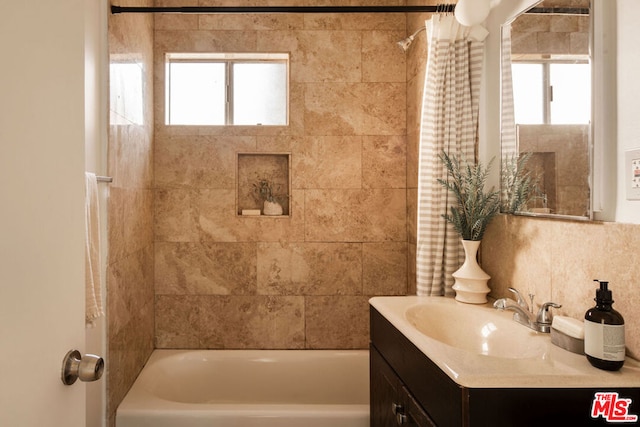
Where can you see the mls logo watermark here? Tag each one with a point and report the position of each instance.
(612, 408)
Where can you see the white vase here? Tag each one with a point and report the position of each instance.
(272, 208)
(470, 280)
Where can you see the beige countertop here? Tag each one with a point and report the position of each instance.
(541, 365)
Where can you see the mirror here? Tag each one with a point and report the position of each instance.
(546, 105)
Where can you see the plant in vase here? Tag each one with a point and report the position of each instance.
(474, 209)
(263, 191)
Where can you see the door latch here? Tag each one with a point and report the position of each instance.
(87, 368)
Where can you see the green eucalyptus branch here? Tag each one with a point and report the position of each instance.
(475, 208)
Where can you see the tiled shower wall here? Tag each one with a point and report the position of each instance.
(130, 213)
(303, 281)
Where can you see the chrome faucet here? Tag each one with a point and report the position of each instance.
(524, 315)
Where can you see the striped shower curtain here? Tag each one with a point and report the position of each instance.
(508, 137)
(449, 123)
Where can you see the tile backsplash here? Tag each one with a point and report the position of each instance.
(558, 261)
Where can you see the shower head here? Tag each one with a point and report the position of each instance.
(405, 43)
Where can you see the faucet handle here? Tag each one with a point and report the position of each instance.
(544, 315)
(521, 301)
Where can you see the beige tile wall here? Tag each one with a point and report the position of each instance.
(130, 308)
(302, 281)
(558, 261)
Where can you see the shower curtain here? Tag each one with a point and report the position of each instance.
(508, 138)
(449, 123)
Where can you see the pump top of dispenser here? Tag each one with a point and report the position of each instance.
(603, 295)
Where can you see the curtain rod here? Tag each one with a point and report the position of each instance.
(283, 9)
(560, 10)
(444, 8)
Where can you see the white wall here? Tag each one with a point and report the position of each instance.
(628, 106)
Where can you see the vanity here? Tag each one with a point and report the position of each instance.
(438, 362)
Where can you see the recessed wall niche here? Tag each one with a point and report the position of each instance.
(256, 169)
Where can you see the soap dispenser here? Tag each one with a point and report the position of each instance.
(604, 332)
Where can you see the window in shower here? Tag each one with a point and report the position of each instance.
(218, 89)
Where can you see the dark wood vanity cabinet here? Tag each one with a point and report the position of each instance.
(391, 402)
(398, 369)
(407, 388)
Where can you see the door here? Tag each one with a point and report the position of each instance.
(42, 130)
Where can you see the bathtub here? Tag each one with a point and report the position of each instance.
(246, 388)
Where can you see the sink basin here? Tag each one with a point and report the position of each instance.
(479, 346)
(476, 329)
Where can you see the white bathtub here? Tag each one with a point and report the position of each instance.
(246, 388)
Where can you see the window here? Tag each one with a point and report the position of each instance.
(220, 89)
(552, 92)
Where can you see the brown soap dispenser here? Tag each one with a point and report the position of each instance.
(604, 332)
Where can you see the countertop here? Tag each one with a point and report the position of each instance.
(556, 367)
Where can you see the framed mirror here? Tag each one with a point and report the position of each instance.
(546, 106)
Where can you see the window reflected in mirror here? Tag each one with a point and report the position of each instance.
(552, 91)
(546, 104)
